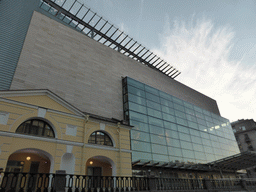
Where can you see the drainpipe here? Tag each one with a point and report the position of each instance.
(82, 171)
(119, 136)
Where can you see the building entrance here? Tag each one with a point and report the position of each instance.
(99, 166)
(94, 171)
(31, 161)
(28, 160)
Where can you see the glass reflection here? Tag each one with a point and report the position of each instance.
(169, 129)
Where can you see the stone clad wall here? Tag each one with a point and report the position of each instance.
(86, 73)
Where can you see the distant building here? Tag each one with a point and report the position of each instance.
(245, 133)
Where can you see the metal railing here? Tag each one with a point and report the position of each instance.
(48, 182)
(78, 16)
(176, 184)
(179, 184)
(229, 184)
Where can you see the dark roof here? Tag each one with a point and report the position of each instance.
(232, 163)
(239, 161)
(170, 165)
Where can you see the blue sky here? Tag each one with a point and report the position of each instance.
(213, 44)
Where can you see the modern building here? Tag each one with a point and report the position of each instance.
(245, 133)
(66, 68)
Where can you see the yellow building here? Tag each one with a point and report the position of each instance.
(41, 132)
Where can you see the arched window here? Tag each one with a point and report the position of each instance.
(36, 127)
(100, 138)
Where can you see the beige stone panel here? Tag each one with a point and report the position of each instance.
(15, 109)
(112, 130)
(127, 173)
(5, 146)
(93, 124)
(57, 161)
(91, 71)
(13, 117)
(126, 136)
(3, 163)
(4, 127)
(126, 166)
(4, 139)
(59, 152)
(126, 155)
(61, 147)
(80, 133)
(72, 138)
(90, 152)
(125, 133)
(90, 128)
(10, 122)
(127, 146)
(125, 139)
(38, 100)
(4, 155)
(77, 169)
(125, 160)
(125, 142)
(77, 150)
(57, 165)
(21, 119)
(66, 119)
(20, 143)
(16, 114)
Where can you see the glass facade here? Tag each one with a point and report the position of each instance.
(169, 129)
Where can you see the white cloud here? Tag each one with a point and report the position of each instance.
(200, 51)
(123, 27)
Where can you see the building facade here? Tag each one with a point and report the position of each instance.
(245, 133)
(168, 129)
(57, 50)
(58, 136)
(245, 130)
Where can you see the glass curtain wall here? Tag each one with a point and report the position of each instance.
(167, 128)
